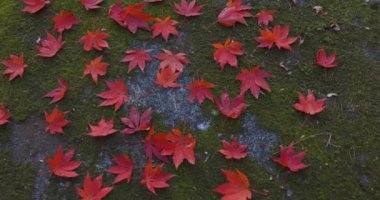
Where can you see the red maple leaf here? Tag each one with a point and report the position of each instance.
(123, 169)
(290, 159)
(58, 93)
(15, 66)
(233, 13)
(188, 9)
(227, 52)
(167, 78)
(34, 6)
(136, 58)
(96, 68)
(91, 4)
(135, 122)
(104, 128)
(237, 187)
(4, 115)
(265, 16)
(56, 121)
(325, 61)
(50, 46)
(62, 165)
(279, 37)
(164, 27)
(116, 95)
(94, 40)
(153, 177)
(131, 17)
(92, 189)
(181, 148)
(64, 21)
(253, 80)
(231, 109)
(174, 61)
(154, 144)
(309, 105)
(200, 90)
(234, 150)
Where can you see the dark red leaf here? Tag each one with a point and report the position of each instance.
(290, 159)
(50, 46)
(64, 21)
(164, 27)
(309, 105)
(135, 122)
(62, 165)
(231, 109)
(116, 95)
(153, 177)
(94, 40)
(136, 58)
(123, 168)
(15, 66)
(200, 90)
(4, 115)
(92, 189)
(234, 150)
(253, 80)
(104, 128)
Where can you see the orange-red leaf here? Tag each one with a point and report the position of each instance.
(174, 61)
(181, 147)
(290, 159)
(188, 9)
(92, 189)
(265, 16)
(136, 58)
(234, 150)
(164, 27)
(116, 95)
(123, 168)
(200, 90)
(50, 46)
(62, 165)
(94, 40)
(65, 21)
(233, 13)
(4, 115)
(253, 80)
(227, 52)
(153, 177)
(91, 4)
(309, 104)
(135, 122)
(154, 144)
(231, 109)
(104, 128)
(279, 37)
(167, 78)
(325, 61)
(58, 93)
(56, 121)
(96, 68)
(15, 66)
(236, 188)
(34, 6)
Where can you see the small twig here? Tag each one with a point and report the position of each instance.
(259, 192)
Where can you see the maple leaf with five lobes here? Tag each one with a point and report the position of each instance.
(167, 78)
(265, 16)
(227, 52)
(136, 58)
(131, 17)
(237, 187)
(15, 66)
(181, 148)
(154, 144)
(91, 4)
(231, 109)
(4, 115)
(135, 122)
(65, 21)
(56, 121)
(188, 9)
(290, 159)
(123, 169)
(50, 47)
(234, 150)
(279, 37)
(95, 40)
(200, 90)
(34, 6)
(62, 165)
(233, 13)
(174, 61)
(253, 80)
(325, 61)
(104, 128)
(153, 177)
(309, 105)
(92, 189)
(96, 68)
(116, 95)
(164, 27)
(58, 93)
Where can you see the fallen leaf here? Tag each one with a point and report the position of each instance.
(153, 177)
(154, 144)
(92, 189)
(116, 95)
(136, 58)
(58, 93)
(309, 105)
(174, 61)
(234, 150)
(167, 78)
(62, 165)
(236, 188)
(200, 90)
(279, 37)
(265, 16)
(91, 4)
(50, 46)
(135, 122)
(104, 128)
(34, 6)
(325, 61)
(65, 21)
(227, 53)
(56, 121)
(188, 9)
(253, 80)
(290, 159)
(164, 27)
(233, 13)
(4, 115)
(15, 66)
(96, 68)
(231, 109)
(123, 168)
(95, 40)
